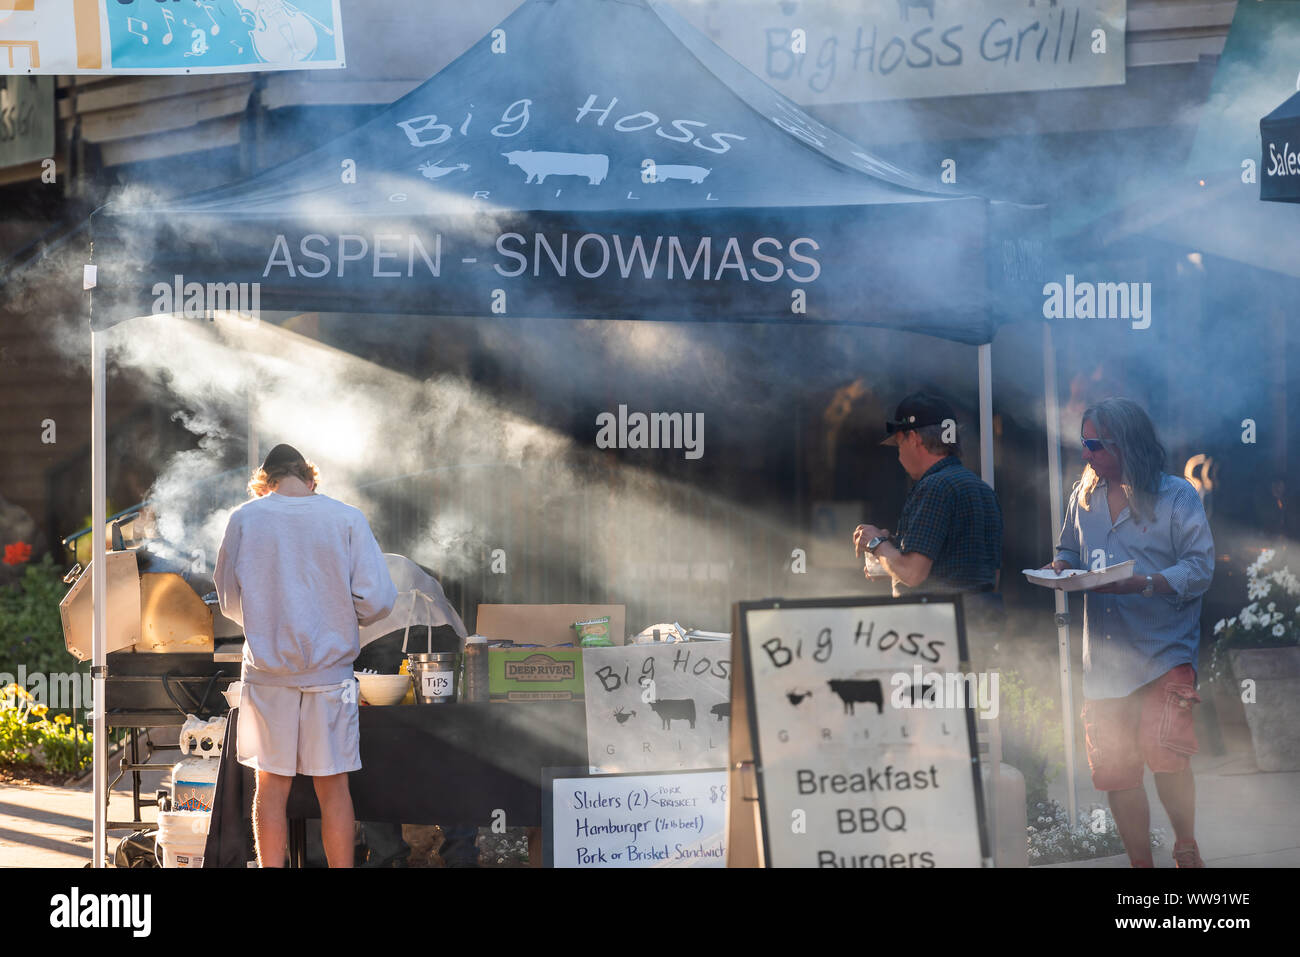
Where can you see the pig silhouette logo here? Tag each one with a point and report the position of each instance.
(692, 174)
(919, 693)
(539, 164)
(673, 709)
(853, 692)
(721, 710)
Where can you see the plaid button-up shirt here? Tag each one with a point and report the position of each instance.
(1128, 640)
(952, 517)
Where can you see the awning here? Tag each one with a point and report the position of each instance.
(587, 159)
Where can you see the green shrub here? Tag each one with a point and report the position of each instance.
(31, 631)
(1032, 736)
(30, 736)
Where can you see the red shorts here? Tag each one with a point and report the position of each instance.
(1154, 726)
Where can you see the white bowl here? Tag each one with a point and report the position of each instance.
(383, 689)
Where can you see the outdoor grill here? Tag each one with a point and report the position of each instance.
(163, 662)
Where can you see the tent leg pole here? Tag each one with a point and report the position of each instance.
(986, 412)
(254, 456)
(985, 362)
(99, 594)
(1052, 413)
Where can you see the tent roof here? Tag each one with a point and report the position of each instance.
(525, 166)
(567, 81)
(1288, 110)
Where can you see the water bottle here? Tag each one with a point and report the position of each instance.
(476, 669)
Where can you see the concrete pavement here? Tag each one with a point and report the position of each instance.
(45, 826)
(1244, 818)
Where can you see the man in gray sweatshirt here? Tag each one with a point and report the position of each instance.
(301, 572)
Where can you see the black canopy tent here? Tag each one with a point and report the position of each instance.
(590, 159)
(586, 159)
(1279, 132)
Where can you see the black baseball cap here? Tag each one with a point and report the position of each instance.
(917, 411)
(282, 455)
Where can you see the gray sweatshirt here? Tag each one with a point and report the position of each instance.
(301, 574)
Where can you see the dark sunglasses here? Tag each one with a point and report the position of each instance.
(1094, 445)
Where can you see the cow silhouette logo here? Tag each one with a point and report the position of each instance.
(854, 691)
(721, 710)
(671, 709)
(539, 164)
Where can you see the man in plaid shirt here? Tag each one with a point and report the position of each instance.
(949, 536)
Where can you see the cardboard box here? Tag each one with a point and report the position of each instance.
(546, 624)
(535, 674)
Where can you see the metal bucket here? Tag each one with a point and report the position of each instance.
(434, 676)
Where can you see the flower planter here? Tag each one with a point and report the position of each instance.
(1274, 716)
(1229, 713)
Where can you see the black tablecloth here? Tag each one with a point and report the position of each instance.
(421, 764)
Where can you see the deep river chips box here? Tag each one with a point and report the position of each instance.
(535, 674)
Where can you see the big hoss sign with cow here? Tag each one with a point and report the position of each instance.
(845, 776)
(658, 707)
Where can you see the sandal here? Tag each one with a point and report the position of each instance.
(1186, 854)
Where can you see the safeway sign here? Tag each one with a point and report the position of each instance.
(168, 36)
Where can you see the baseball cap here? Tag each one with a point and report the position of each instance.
(282, 455)
(916, 411)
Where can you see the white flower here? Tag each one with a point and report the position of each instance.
(1272, 606)
(1290, 584)
(1277, 616)
(1233, 620)
(1218, 626)
(1258, 589)
(1278, 631)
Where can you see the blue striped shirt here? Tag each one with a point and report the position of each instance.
(1129, 640)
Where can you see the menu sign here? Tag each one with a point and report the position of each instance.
(866, 757)
(658, 707)
(637, 820)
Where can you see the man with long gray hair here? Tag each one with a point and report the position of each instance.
(1140, 634)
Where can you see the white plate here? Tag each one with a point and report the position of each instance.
(1079, 579)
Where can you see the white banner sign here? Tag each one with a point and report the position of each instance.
(639, 820)
(169, 36)
(864, 741)
(831, 51)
